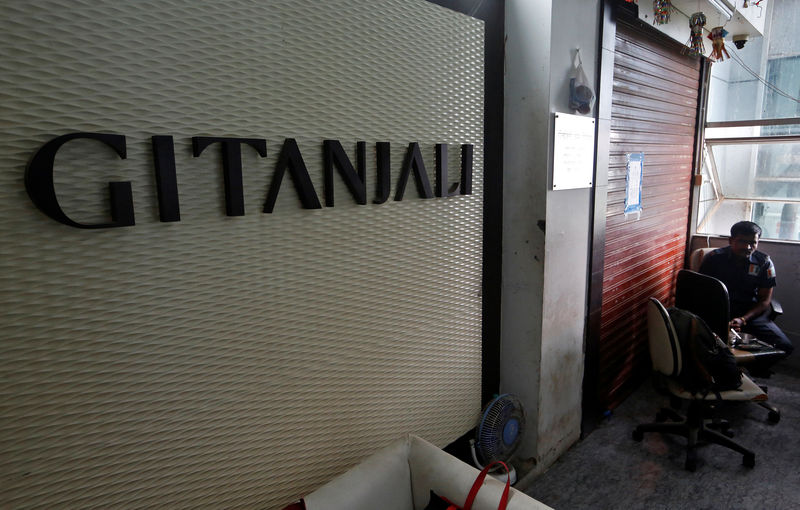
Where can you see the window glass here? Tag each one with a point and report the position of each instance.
(734, 93)
(748, 176)
(784, 73)
(737, 90)
(758, 171)
(778, 220)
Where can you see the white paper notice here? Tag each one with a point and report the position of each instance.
(573, 151)
(633, 182)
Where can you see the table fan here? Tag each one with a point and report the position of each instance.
(499, 433)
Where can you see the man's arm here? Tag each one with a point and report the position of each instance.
(762, 305)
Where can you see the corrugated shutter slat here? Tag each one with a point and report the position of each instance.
(654, 109)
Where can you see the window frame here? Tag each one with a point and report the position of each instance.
(707, 161)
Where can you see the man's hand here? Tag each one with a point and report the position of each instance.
(737, 323)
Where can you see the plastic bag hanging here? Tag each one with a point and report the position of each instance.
(717, 37)
(696, 23)
(581, 96)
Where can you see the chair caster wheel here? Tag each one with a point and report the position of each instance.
(638, 435)
(774, 416)
(749, 461)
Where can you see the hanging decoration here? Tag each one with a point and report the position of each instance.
(661, 11)
(696, 23)
(717, 37)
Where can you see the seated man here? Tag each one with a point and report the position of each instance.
(750, 278)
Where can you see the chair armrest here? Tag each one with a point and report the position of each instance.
(776, 309)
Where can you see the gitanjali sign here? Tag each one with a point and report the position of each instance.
(40, 185)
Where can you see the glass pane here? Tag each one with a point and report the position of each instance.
(724, 215)
(783, 33)
(760, 182)
(784, 75)
(734, 93)
(737, 90)
(778, 220)
(759, 171)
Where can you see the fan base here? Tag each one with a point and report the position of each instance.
(512, 473)
(501, 477)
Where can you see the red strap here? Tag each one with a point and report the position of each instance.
(473, 492)
(450, 504)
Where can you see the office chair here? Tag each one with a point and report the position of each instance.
(666, 356)
(707, 297)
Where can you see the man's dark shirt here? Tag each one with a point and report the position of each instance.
(742, 277)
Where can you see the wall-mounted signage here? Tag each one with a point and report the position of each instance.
(573, 151)
(40, 185)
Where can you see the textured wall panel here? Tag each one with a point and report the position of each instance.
(231, 362)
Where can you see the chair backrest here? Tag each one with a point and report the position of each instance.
(696, 257)
(706, 297)
(665, 351)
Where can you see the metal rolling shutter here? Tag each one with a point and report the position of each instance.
(654, 110)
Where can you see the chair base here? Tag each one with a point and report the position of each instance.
(673, 413)
(695, 429)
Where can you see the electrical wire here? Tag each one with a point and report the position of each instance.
(769, 85)
(739, 61)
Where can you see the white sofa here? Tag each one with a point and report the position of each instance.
(401, 476)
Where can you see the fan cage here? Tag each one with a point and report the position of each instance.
(500, 430)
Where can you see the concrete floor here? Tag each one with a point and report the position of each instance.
(609, 470)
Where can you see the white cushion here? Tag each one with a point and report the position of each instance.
(382, 480)
(748, 391)
(401, 476)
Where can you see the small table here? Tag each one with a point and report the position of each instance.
(755, 350)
